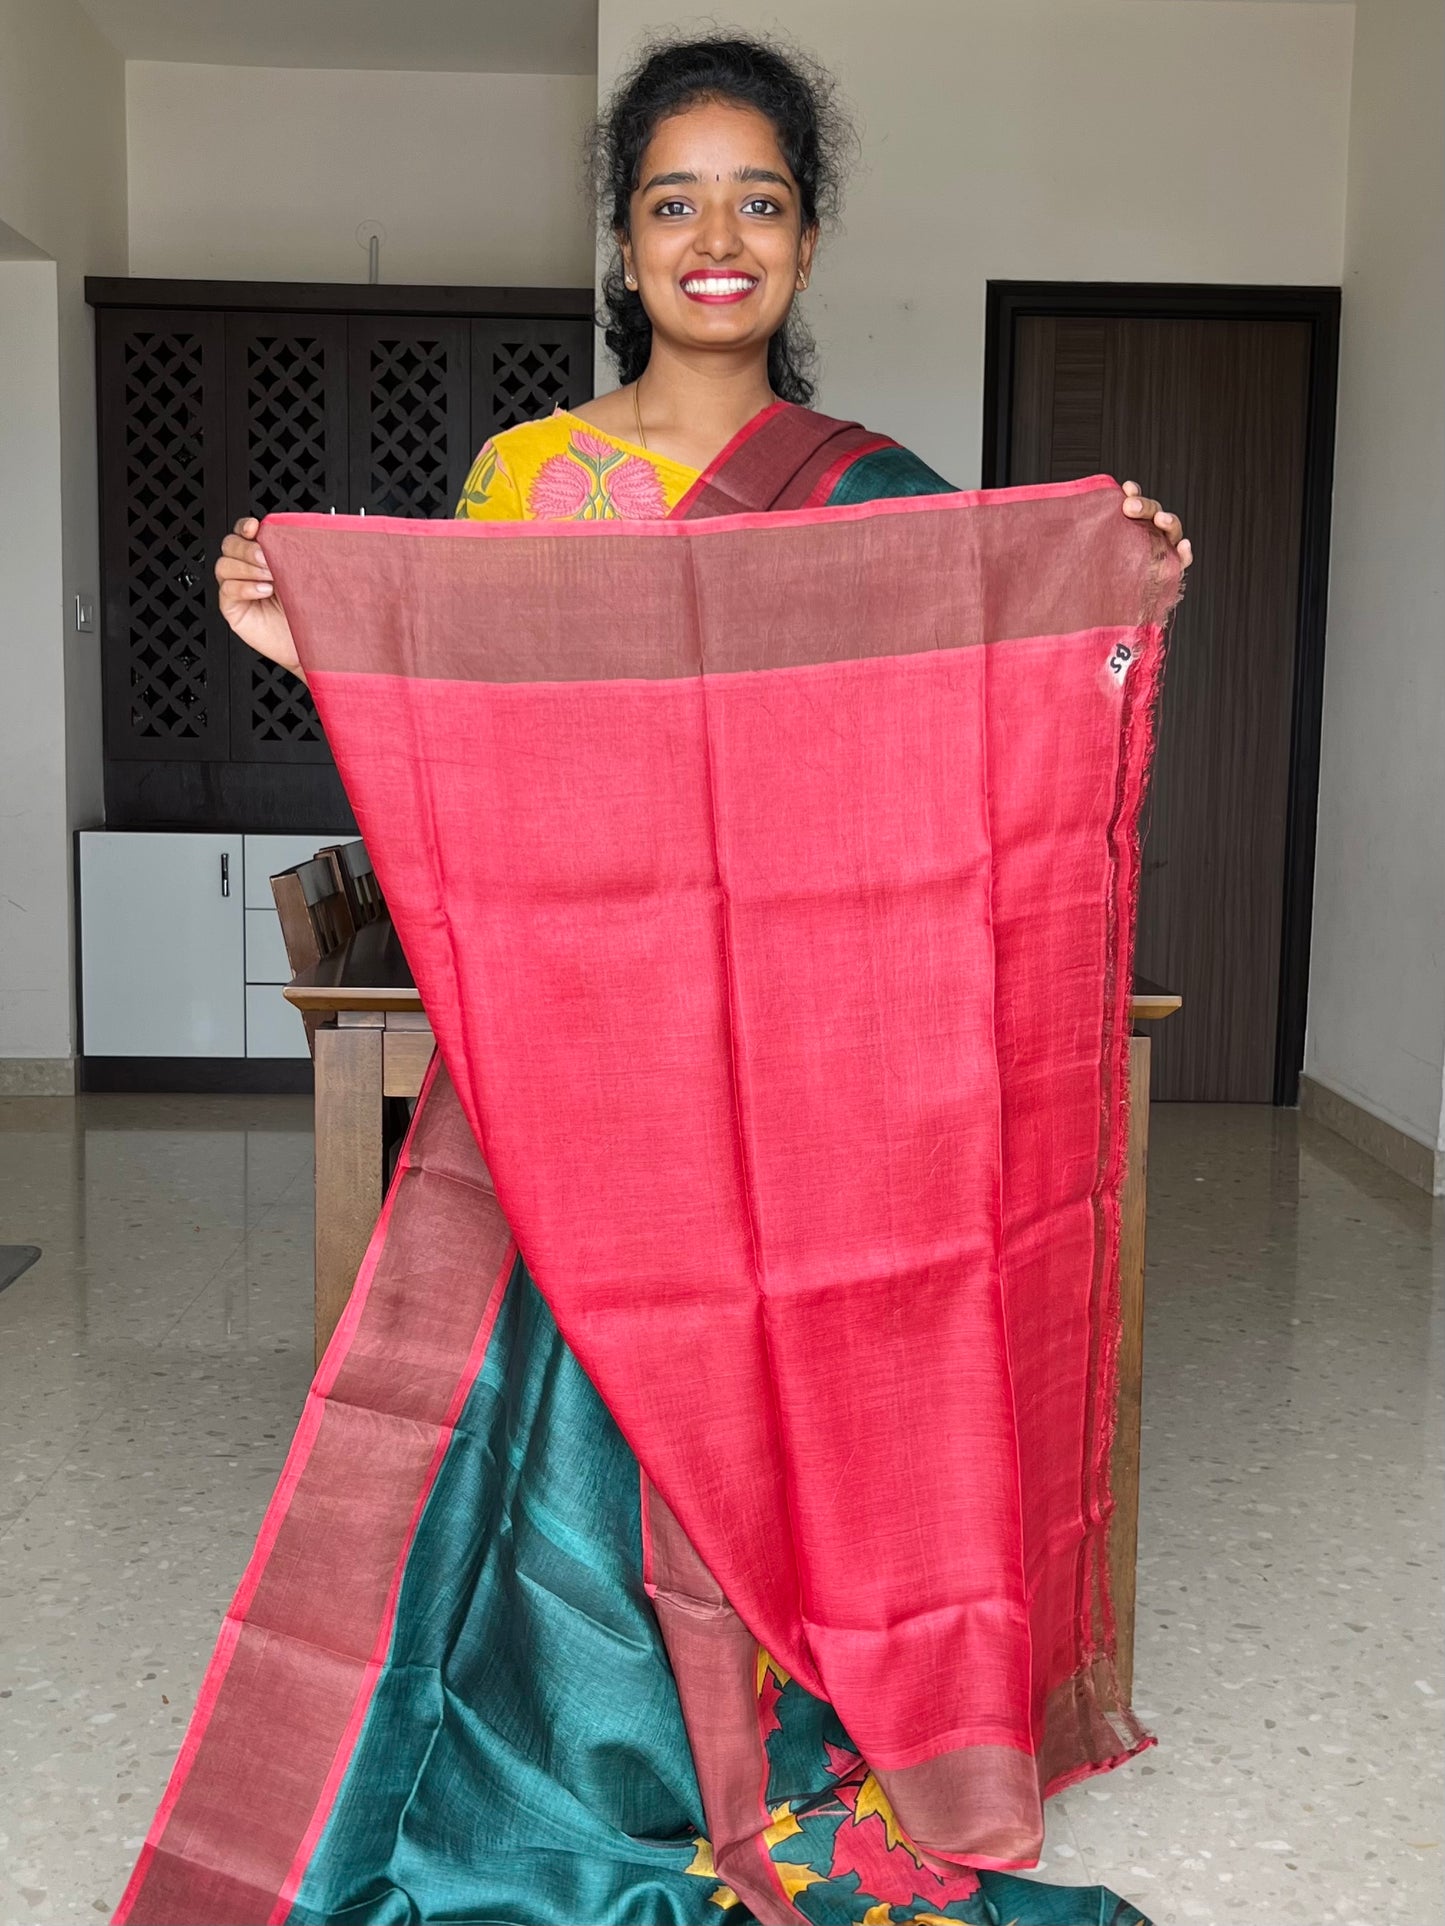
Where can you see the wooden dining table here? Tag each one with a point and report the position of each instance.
(374, 1043)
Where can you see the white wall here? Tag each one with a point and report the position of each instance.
(62, 192)
(1016, 139)
(34, 862)
(1377, 991)
(265, 173)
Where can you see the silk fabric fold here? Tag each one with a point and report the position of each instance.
(789, 1007)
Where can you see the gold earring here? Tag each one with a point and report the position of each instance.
(802, 280)
(629, 281)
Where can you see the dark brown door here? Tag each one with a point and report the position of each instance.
(1212, 416)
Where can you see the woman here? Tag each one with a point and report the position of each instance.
(523, 1754)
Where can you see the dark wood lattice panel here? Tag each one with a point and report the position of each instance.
(279, 708)
(286, 434)
(286, 423)
(524, 369)
(410, 438)
(213, 410)
(162, 451)
(286, 379)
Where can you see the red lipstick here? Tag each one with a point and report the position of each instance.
(716, 289)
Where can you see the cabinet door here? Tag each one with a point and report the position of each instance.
(274, 1027)
(266, 959)
(162, 945)
(411, 438)
(286, 436)
(523, 369)
(162, 499)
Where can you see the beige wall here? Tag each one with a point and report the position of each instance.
(34, 905)
(1012, 139)
(265, 174)
(1377, 991)
(62, 193)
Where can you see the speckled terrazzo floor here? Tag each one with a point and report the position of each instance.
(154, 1360)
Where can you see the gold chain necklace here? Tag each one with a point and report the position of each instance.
(637, 410)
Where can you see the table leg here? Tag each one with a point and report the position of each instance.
(349, 1161)
(1124, 1528)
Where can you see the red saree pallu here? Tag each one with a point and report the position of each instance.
(769, 880)
(790, 1010)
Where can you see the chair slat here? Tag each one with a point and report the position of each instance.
(354, 874)
(315, 918)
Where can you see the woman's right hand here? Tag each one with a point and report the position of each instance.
(249, 601)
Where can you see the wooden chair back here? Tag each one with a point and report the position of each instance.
(358, 880)
(315, 918)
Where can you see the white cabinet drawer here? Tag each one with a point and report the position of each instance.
(273, 1027)
(266, 960)
(267, 856)
(162, 945)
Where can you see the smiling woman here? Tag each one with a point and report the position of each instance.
(761, 152)
(715, 169)
(478, 1669)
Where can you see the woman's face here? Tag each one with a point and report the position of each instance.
(717, 243)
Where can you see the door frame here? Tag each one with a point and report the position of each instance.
(1319, 307)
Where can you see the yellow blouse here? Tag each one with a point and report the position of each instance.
(564, 469)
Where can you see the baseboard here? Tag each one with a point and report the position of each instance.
(37, 1076)
(216, 1076)
(1417, 1163)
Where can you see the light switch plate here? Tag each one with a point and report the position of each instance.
(84, 614)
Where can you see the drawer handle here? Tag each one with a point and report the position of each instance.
(225, 874)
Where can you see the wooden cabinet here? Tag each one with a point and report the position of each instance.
(219, 399)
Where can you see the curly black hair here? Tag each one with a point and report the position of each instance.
(796, 95)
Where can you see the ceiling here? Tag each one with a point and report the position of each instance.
(422, 36)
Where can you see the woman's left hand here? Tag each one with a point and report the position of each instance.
(1139, 508)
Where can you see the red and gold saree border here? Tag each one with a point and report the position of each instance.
(992, 1790)
(696, 502)
(720, 1671)
(561, 629)
(785, 457)
(831, 472)
(1097, 1711)
(241, 1818)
